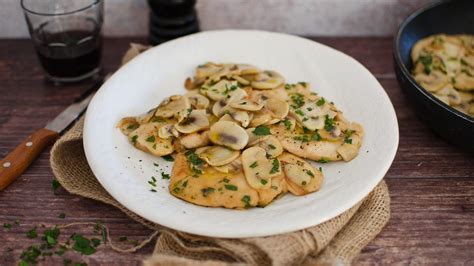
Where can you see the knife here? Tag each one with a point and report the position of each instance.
(24, 154)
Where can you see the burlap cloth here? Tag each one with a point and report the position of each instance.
(337, 241)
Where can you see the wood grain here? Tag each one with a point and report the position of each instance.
(431, 183)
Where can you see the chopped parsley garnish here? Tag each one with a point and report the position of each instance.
(308, 172)
(185, 183)
(276, 166)
(51, 236)
(165, 176)
(246, 199)
(463, 62)
(168, 158)
(263, 181)
(303, 183)
(150, 139)
(82, 244)
(225, 180)
(302, 83)
(62, 215)
(309, 109)
(323, 160)
(7, 225)
(426, 60)
(55, 185)
(316, 136)
(287, 123)
(299, 112)
(329, 123)
(194, 160)
(298, 99)
(261, 131)
(271, 146)
(157, 119)
(231, 187)
(32, 233)
(287, 86)
(207, 191)
(134, 139)
(320, 169)
(253, 165)
(132, 126)
(347, 135)
(320, 102)
(233, 87)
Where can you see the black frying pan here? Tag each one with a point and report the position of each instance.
(450, 17)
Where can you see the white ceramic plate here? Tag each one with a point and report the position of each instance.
(160, 72)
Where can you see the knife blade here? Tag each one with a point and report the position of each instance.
(17, 161)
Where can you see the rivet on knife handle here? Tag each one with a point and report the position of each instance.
(23, 155)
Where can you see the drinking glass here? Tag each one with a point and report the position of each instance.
(67, 36)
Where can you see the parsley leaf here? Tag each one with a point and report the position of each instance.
(320, 102)
(253, 165)
(32, 233)
(329, 123)
(82, 245)
(287, 123)
(168, 158)
(261, 131)
(246, 199)
(207, 191)
(276, 166)
(165, 176)
(231, 187)
(426, 60)
(150, 139)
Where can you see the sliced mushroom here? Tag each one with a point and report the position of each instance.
(168, 131)
(247, 69)
(258, 169)
(253, 138)
(196, 120)
(278, 108)
(217, 155)
(227, 117)
(301, 176)
(268, 80)
(221, 90)
(443, 98)
(419, 47)
(146, 138)
(197, 100)
(175, 105)
(464, 81)
(195, 140)
(127, 125)
(432, 82)
(206, 70)
(260, 118)
(246, 105)
(348, 151)
(228, 134)
(241, 80)
(271, 145)
(233, 167)
(145, 118)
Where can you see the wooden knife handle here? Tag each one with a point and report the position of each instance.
(23, 155)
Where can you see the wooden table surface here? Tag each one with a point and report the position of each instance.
(431, 183)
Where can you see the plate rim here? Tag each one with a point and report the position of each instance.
(334, 212)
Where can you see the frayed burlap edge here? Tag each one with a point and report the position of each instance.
(337, 241)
